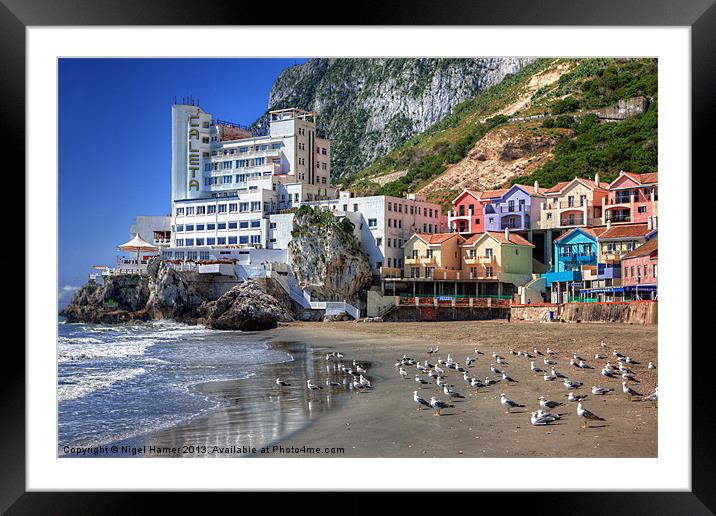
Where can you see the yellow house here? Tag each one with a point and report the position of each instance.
(426, 254)
(506, 257)
(574, 203)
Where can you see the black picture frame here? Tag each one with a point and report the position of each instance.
(699, 15)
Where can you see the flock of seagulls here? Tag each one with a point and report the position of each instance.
(427, 373)
(352, 376)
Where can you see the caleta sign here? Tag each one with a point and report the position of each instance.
(194, 155)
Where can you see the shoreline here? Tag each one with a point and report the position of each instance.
(384, 423)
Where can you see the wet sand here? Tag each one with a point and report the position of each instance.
(384, 422)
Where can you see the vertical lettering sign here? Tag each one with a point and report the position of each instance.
(194, 155)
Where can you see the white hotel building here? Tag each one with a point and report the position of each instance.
(226, 182)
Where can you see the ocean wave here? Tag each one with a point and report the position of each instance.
(73, 350)
(80, 386)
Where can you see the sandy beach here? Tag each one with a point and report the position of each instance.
(384, 422)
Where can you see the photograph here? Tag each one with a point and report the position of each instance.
(359, 257)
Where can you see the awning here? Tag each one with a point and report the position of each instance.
(137, 244)
(641, 288)
(603, 290)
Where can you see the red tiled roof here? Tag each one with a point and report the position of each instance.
(500, 237)
(474, 193)
(588, 182)
(645, 249)
(626, 231)
(642, 179)
(491, 194)
(436, 238)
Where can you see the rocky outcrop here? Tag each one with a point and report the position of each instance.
(118, 299)
(325, 256)
(368, 107)
(245, 307)
(165, 293)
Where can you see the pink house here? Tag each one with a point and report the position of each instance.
(640, 270)
(467, 213)
(633, 198)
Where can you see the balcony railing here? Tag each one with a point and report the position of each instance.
(421, 260)
(480, 259)
(517, 210)
(574, 205)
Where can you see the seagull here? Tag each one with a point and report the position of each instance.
(535, 369)
(451, 393)
(547, 361)
(573, 363)
(330, 383)
(312, 386)
(420, 380)
(508, 379)
(629, 360)
(584, 365)
(431, 351)
(490, 382)
(438, 405)
(421, 368)
(587, 415)
(508, 403)
(403, 373)
(540, 420)
(629, 391)
(360, 370)
(440, 381)
(630, 377)
(469, 361)
(606, 372)
(542, 413)
(432, 374)
(502, 361)
(544, 402)
(599, 357)
(575, 397)
(478, 352)
(420, 401)
(439, 370)
(577, 357)
(617, 354)
(549, 377)
(281, 383)
(365, 382)
(538, 352)
(651, 365)
(558, 375)
(572, 384)
(654, 396)
(551, 352)
(428, 365)
(494, 369)
(600, 391)
(476, 383)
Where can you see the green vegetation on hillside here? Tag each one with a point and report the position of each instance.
(590, 145)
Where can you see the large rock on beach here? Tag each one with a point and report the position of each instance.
(245, 307)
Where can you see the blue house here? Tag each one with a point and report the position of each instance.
(572, 250)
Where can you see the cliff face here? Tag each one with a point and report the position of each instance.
(169, 294)
(325, 256)
(370, 106)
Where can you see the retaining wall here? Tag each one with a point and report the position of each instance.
(631, 312)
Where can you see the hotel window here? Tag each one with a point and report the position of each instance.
(232, 225)
(243, 149)
(190, 211)
(180, 211)
(222, 208)
(207, 181)
(207, 167)
(244, 224)
(200, 210)
(255, 239)
(221, 225)
(244, 207)
(199, 241)
(256, 224)
(233, 207)
(221, 241)
(227, 165)
(189, 242)
(190, 227)
(372, 223)
(232, 240)
(180, 227)
(243, 240)
(256, 206)
(200, 227)
(180, 243)
(210, 227)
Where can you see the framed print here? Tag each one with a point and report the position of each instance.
(322, 248)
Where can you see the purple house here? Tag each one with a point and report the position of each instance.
(515, 208)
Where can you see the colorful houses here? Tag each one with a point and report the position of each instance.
(578, 202)
(575, 249)
(514, 208)
(467, 215)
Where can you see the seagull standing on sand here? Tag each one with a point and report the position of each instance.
(420, 380)
(508, 403)
(545, 403)
(534, 368)
(629, 391)
(490, 382)
(420, 401)
(403, 373)
(438, 405)
(651, 365)
(494, 369)
(540, 419)
(451, 393)
(508, 378)
(587, 415)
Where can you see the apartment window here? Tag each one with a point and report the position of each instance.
(582, 200)
(429, 253)
(190, 227)
(549, 215)
(211, 227)
(511, 205)
(488, 252)
(256, 224)
(471, 253)
(207, 167)
(221, 225)
(372, 223)
(180, 211)
(232, 225)
(256, 206)
(641, 209)
(190, 211)
(626, 272)
(180, 227)
(221, 241)
(233, 207)
(379, 242)
(243, 240)
(244, 206)
(428, 272)
(222, 208)
(232, 240)
(226, 165)
(323, 151)
(654, 269)
(488, 271)
(189, 242)
(477, 221)
(355, 207)
(200, 210)
(255, 239)
(227, 179)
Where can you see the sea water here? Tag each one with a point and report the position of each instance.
(120, 381)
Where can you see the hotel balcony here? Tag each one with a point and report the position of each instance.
(391, 272)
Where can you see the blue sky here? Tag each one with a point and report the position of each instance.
(115, 142)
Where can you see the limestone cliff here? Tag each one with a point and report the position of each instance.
(368, 107)
(326, 257)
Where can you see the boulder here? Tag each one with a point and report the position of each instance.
(245, 307)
